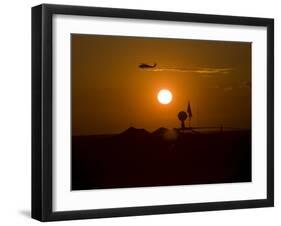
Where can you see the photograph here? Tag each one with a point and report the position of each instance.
(149, 111)
(141, 112)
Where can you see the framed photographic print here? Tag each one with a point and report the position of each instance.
(146, 112)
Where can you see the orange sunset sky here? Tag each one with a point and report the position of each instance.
(110, 93)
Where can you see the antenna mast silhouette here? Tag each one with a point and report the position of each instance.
(189, 112)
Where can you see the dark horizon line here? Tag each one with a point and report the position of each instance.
(178, 129)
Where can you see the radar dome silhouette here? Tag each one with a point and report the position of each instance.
(182, 116)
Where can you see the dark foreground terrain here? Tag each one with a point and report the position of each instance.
(137, 158)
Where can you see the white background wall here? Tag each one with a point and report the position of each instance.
(15, 113)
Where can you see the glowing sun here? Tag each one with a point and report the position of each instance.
(164, 96)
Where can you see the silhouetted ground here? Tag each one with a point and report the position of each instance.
(137, 158)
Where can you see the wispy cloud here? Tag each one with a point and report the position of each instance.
(215, 87)
(201, 70)
(228, 89)
(245, 84)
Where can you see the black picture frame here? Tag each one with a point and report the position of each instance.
(42, 106)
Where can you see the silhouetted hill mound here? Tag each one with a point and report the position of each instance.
(160, 131)
(134, 132)
(166, 134)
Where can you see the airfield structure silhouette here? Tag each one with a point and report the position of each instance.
(183, 116)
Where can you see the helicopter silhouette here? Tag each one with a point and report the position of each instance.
(144, 66)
